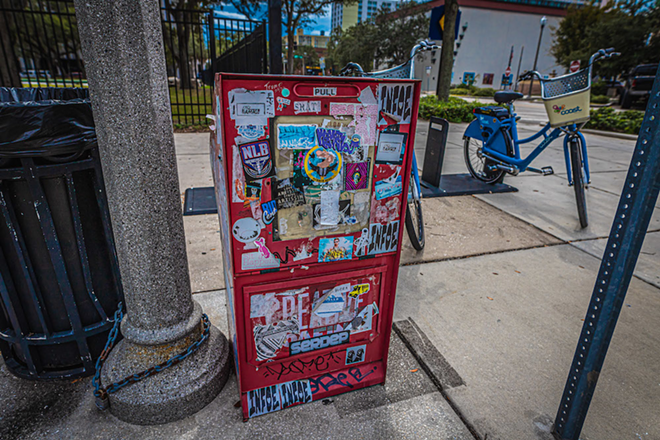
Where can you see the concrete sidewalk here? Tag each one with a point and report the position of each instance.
(487, 320)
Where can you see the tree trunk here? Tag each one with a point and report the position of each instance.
(9, 67)
(289, 51)
(447, 54)
(183, 31)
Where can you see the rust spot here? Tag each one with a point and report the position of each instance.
(592, 377)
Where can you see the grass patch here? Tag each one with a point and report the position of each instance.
(190, 107)
(600, 99)
(454, 110)
(606, 118)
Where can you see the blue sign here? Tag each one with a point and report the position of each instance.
(437, 23)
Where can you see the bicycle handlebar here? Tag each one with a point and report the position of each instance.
(601, 54)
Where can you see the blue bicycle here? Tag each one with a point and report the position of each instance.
(492, 146)
(414, 219)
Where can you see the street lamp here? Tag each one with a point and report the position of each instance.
(536, 57)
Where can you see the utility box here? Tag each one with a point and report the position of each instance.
(311, 178)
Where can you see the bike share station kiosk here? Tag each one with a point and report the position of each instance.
(311, 180)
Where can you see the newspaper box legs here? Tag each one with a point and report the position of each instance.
(311, 178)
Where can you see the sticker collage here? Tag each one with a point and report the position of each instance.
(314, 180)
(316, 171)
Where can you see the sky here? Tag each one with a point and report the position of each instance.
(322, 23)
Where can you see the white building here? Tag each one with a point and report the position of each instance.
(493, 27)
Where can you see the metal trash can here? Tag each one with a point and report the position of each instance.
(59, 276)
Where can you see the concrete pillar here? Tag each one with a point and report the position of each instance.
(122, 45)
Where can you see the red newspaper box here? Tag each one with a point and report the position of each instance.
(311, 178)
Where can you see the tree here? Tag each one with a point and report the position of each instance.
(399, 32)
(358, 44)
(447, 52)
(306, 56)
(297, 14)
(626, 25)
(177, 36)
(386, 39)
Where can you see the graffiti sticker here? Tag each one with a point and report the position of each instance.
(383, 238)
(319, 342)
(257, 161)
(332, 139)
(298, 136)
(306, 107)
(389, 187)
(268, 209)
(395, 102)
(322, 165)
(357, 176)
(251, 131)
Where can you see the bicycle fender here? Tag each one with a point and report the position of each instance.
(474, 130)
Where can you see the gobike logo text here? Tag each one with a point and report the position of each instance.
(564, 111)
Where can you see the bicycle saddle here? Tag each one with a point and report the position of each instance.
(503, 97)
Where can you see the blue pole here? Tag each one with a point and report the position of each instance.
(633, 215)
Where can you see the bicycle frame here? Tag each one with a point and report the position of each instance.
(521, 164)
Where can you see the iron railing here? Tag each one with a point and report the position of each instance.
(40, 47)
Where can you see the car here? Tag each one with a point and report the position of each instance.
(637, 84)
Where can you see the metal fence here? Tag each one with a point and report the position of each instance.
(40, 47)
(198, 44)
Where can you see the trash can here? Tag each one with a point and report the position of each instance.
(59, 275)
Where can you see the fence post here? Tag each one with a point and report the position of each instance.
(212, 45)
(275, 35)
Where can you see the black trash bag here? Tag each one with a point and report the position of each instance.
(45, 122)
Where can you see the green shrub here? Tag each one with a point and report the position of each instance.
(599, 88)
(460, 92)
(608, 119)
(454, 110)
(484, 92)
(600, 99)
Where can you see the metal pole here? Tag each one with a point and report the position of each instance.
(275, 35)
(536, 57)
(636, 206)
(522, 50)
(122, 44)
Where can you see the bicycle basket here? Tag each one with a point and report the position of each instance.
(566, 98)
(402, 72)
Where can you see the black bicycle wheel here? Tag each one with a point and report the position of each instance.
(478, 165)
(579, 180)
(414, 220)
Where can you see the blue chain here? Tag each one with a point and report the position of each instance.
(102, 393)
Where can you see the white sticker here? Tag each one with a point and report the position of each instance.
(306, 107)
(367, 96)
(255, 260)
(329, 215)
(269, 339)
(251, 107)
(325, 91)
(246, 230)
(332, 302)
(390, 146)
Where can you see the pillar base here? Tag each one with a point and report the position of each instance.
(172, 394)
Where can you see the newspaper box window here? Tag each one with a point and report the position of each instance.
(308, 178)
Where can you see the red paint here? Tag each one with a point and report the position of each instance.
(324, 366)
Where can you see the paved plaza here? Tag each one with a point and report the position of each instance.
(487, 319)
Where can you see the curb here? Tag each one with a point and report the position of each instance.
(629, 137)
(613, 134)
